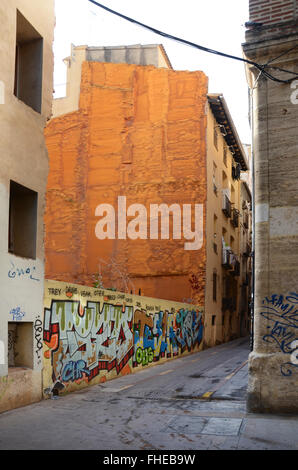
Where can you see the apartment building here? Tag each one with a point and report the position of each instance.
(26, 83)
(226, 310)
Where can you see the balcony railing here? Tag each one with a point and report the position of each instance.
(226, 258)
(226, 206)
(235, 218)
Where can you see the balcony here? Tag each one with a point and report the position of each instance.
(229, 303)
(245, 220)
(236, 270)
(226, 206)
(235, 218)
(247, 250)
(236, 172)
(245, 280)
(226, 258)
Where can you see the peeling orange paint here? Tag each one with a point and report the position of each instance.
(139, 132)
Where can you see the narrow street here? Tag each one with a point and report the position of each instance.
(195, 402)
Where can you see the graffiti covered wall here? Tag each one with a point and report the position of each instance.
(93, 335)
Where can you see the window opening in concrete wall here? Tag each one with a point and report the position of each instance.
(225, 155)
(20, 344)
(232, 243)
(225, 183)
(28, 64)
(214, 286)
(215, 139)
(22, 221)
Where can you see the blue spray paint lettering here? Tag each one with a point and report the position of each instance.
(74, 370)
(282, 312)
(16, 313)
(20, 272)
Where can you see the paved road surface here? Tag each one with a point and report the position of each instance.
(195, 402)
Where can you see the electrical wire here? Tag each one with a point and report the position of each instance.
(261, 68)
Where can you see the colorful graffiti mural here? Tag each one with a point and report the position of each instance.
(93, 334)
(165, 334)
(82, 341)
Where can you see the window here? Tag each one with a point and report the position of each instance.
(28, 64)
(214, 286)
(214, 233)
(233, 195)
(215, 139)
(214, 177)
(225, 183)
(213, 319)
(20, 344)
(224, 234)
(225, 155)
(22, 221)
(232, 243)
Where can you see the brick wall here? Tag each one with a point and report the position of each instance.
(273, 11)
(140, 132)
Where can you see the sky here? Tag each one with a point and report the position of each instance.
(216, 24)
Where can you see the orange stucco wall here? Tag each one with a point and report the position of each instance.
(140, 132)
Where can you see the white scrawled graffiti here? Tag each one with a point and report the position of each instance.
(294, 94)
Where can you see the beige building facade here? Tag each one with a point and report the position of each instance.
(26, 88)
(226, 312)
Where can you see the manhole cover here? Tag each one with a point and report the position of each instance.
(200, 425)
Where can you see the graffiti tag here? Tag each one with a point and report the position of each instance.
(16, 313)
(74, 370)
(20, 272)
(282, 312)
(294, 94)
(38, 337)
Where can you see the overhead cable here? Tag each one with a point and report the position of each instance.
(261, 68)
